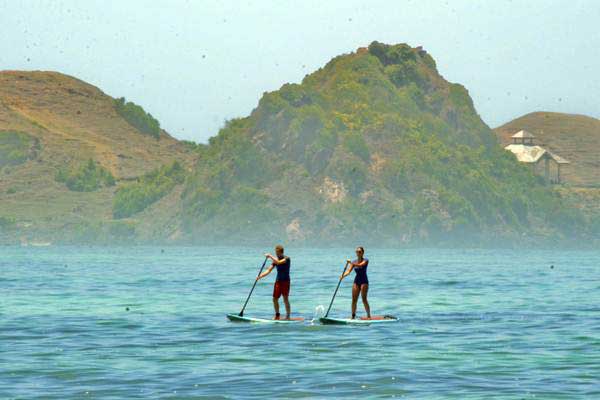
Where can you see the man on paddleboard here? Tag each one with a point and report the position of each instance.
(361, 281)
(282, 281)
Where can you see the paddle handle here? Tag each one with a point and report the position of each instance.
(336, 290)
(241, 314)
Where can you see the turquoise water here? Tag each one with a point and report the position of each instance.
(473, 324)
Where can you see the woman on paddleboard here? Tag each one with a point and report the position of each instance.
(361, 281)
(282, 281)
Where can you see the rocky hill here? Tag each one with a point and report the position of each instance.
(66, 148)
(375, 147)
(574, 137)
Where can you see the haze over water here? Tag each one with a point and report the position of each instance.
(473, 324)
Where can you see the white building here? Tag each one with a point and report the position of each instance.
(539, 158)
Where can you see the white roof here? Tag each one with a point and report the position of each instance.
(532, 154)
(527, 154)
(523, 134)
(558, 158)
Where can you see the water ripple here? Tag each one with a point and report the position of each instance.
(138, 323)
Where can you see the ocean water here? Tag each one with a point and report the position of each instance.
(128, 323)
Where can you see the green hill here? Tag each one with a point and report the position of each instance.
(375, 147)
(66, 149)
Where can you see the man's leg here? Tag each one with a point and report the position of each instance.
(276, 307)
(288, 310)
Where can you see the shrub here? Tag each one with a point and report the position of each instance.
(150, 188)
(121, 230)
(101, 232)
(138, 117)
(7, 223)
(355, 144)
(16, 147)
(191, 145)
(85, 178)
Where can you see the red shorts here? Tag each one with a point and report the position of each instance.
(281, 288)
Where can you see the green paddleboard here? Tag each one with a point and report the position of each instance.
(237, 318)
(376, 319)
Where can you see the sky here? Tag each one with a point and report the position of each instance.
(195, 64)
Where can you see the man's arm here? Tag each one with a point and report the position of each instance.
(275, 260)
(267, 272)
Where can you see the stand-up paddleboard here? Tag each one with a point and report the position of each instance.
(376, 319)
(237, 318)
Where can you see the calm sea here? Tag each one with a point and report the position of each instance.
(128, 323)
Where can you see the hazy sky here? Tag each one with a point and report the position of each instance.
(194, 64)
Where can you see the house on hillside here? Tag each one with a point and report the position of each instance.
(542, 161)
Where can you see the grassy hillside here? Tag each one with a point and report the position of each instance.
(574, 137)
(375, 147)
(65, 149)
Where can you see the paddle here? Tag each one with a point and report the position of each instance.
(241, 314)
(336, 290)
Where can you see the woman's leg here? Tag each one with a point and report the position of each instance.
(364, 289)
(355, 292)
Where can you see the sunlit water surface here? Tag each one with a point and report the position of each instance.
(126, 323)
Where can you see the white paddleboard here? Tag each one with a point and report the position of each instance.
(237, 318)
(376, 319)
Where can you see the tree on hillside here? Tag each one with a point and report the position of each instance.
(138, 117)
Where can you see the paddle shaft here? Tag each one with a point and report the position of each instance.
(336, 290)
(251, 290)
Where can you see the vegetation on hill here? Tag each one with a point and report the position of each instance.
(135, 197)
(66, 122)
(376, 146)
(138, 117)
(101, 232)
(6, 223)
(85, 178)
(191, 145)
(17, 147)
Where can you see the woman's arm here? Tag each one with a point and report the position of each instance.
(348, 270)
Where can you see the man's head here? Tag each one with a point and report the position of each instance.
(279, 250)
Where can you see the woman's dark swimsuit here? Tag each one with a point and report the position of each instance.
(361, 273)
